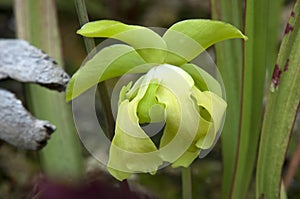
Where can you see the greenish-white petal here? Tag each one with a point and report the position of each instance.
(189, 38)
(187, 158)
(182, 116)
(216, 107)
(149, 109)
(131, 151)
(193, 151)
(147, 43)
(110, 62)
(203, 80)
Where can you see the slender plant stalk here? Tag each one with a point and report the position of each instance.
(90, 49)
(104, 96)
(61, 158)
(83, 19)
(229, 61)
(282, 104)
(186, 183)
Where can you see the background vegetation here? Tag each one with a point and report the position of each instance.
(213, 176)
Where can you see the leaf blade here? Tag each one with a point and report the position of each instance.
(282, 105)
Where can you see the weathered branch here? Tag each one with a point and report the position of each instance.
(18, 127)
(25, 63)
(22, 62)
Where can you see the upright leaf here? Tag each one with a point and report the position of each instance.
(253, 83)
(229, 56)
(282, 104)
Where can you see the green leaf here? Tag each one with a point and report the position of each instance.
(229, 55)
(187, 39)
(147, 43)
(254, 78)
(110, 62)
(281, 109)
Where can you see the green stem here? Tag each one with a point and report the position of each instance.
(83, 19)
(186, 178)
(104, 96)
(90, 47)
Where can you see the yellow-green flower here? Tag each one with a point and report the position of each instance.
(191, 123)
(171, 91)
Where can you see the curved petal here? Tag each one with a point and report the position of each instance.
(207, 128)
(147, 43)
(104, 28)
(181, 112)
(193, 151)
(203, 80)
(110, 62)
(181, 130)
(149, 109)
(189, 38)
(173, 96)
(216, 107)
(132, 150)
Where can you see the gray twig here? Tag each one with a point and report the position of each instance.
(25, 63)
(18, 127)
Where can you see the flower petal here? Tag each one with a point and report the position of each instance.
(203, 80)
(216, 107)
(189, 38)
(182, 116)
(147, 43)
(131, 149)
(192, 120)
(149, 109)
(110, 62)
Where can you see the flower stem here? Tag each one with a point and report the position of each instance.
(186, 179)
(90, 47)
(83, 19)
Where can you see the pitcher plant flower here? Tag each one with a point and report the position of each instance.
(171, 90)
